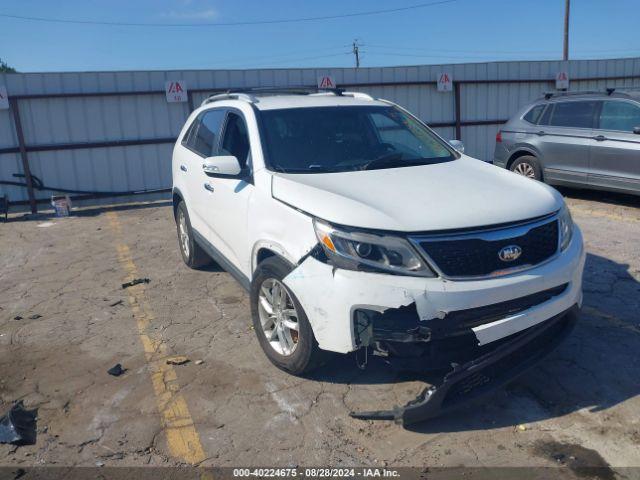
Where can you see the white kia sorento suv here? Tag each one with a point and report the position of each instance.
(355, 227)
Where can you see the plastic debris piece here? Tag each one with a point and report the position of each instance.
(35, 316)
(116, 303)
(18, 425)
(17, 317)
(135, 281)
(116, 370)
(177, 360)
(522, 427)
(99, 464)
(199, 362)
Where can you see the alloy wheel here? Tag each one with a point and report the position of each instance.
(278, 317)
(183, 232)
(525, 169)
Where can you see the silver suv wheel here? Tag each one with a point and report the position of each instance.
(278, 317)
(183, 232)
(525, 169)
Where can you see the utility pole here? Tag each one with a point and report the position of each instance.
(356, 52)
(565, 52)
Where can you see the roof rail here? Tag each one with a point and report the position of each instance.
(251, 94)
(228, 96)
(361, 95)
(608, 91)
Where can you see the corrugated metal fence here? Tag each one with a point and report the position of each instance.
(113, 131)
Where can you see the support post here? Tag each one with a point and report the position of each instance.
(13, 102)
(565, 46)
(458, 120)
(190, 102)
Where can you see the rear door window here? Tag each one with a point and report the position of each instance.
(203, 135)
(622, 116)
(533, 115)
(576, 114)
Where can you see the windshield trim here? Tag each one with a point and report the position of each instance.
(271, 167)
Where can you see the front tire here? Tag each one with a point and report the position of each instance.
(527, 166)
(192, 253)
(280, 323)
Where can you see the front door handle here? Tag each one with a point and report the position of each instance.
(209, 187)
(541, 132)
(183, 168)
(600, 138)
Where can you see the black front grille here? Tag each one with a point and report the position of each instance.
(469, 257)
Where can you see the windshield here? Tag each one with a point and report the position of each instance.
(339, 139)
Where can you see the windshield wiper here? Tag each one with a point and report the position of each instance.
(392, 159)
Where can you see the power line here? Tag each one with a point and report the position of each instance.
(474, 51)
(279, 62)
(227, 24)
(278, 56)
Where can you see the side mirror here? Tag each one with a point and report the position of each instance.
(457, 144)
(224, 165)
(636, 130)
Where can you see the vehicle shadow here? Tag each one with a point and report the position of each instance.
(614, 198)
(584, 372)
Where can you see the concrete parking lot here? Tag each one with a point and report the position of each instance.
(65, 320)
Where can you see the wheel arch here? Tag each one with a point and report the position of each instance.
(265, 249)
(521, 152)
(177, 197)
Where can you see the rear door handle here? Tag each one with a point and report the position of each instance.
(600, 138)
(183, 168)
(209, 187)
(541, 132)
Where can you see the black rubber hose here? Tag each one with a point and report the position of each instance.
(38, 185)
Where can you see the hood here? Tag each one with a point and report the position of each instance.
(458, 194)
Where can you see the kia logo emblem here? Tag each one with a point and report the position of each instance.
(510, 253)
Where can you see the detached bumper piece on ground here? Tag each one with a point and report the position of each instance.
(476, 378)
(18, 426)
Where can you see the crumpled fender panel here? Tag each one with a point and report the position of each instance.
(330, 296)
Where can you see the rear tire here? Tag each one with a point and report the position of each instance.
(527, 166)
(277, 314)
(192, 253)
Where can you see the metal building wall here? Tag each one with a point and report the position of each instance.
(488, 92)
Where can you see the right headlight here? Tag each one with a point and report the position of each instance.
(565, 225)
(357, 250)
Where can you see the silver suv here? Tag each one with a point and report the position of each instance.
(580, 139)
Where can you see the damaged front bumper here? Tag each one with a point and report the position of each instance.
(470, 381)
(418, 309)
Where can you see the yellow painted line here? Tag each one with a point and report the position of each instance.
(182, 437)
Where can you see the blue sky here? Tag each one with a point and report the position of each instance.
(455, 32)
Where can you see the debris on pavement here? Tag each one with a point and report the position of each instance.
(177, 360)
(114, 304)
(116, 370)
(17, 317)
(19, 473)
(99, 464)
(35, 316)
(135, 281)
(199, 362)
(522, 427)
(18, 425)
